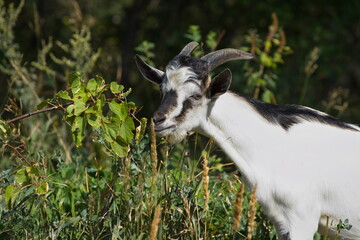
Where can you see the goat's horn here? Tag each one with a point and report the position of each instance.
(222, 56)
(188, 48)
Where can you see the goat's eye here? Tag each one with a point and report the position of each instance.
(196, 96)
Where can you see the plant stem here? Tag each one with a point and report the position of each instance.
(18, 153)
(59, 107)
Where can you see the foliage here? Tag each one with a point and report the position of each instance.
(271, 51)
(82, 166)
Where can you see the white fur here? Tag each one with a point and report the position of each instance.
(308, 172)
(303, 174)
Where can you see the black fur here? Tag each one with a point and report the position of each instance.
(288, 115)
(199, 66)
(219, 84)
(187, 105)
(150, 73)
(169, 102)
(285, 236)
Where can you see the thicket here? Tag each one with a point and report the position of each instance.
(84, 164)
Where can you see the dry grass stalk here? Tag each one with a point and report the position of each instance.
(282, 41)
(155, 223)
(127, 171)
(154, 158)
(273, 28)
(252, 213)
(238, 208)
(206, 182)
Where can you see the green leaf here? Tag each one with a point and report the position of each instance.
(78, 129)
(32, 172)
(266, 60)
(278, 58)
(42, 187)
(5, 130)
(120, 109)
(11, 193)
(94, 120)
(21, 176)
(119, 150)
(64, 95)
(267, 96)
(43, 104)
(81, 94)
(70, 110)
(267, 45)
(126, 129)
(74, 76)
(76, 86)
(79, 108)
(140, 130)
(99, 80)
(116, 88)
(92, 85)
(125, 94)
(211, 40)
(111, 132)
(194, 33)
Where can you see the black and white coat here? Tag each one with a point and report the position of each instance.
(305, 163)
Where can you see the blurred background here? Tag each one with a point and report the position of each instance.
(320, 67)
(99, 174)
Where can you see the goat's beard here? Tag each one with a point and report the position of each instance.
(176, 136)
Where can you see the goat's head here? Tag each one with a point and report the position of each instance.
(187, 88)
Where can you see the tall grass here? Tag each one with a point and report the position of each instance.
(50, 189)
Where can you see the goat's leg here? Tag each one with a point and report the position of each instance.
(297, 223)
(302, 228)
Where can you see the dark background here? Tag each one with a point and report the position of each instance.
(117, 27)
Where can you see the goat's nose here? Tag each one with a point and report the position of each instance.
(159, 118)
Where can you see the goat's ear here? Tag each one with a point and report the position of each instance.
(219, 84)
(150, 73)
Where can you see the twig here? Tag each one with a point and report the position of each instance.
(60, 107)
(18, 153)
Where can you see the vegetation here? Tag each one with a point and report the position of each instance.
(80, 159)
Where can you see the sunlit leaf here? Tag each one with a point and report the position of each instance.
(74, 76)
(5, 130)
(92, 85)
(94, 120)
(64, 95)
(11, 193)
(267, 96)
(78, 129)
(140, 130)
(32, 172)
(79, 108)
(112, 130)
(21, 176)
(43, 104)
(126, 130)
(42, 187)
(120, 150)
(119, 109)
(70, 110)
(116, 88)
(267, 45)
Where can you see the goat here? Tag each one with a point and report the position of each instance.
(305, 163)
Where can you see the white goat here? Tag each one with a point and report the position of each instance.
(306, 164)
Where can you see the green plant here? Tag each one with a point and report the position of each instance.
(82, 166)
(261, 80)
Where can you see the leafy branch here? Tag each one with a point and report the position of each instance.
(112, 119)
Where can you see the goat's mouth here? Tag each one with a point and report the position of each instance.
(161, 130)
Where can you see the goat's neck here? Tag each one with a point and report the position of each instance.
(241, 132)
